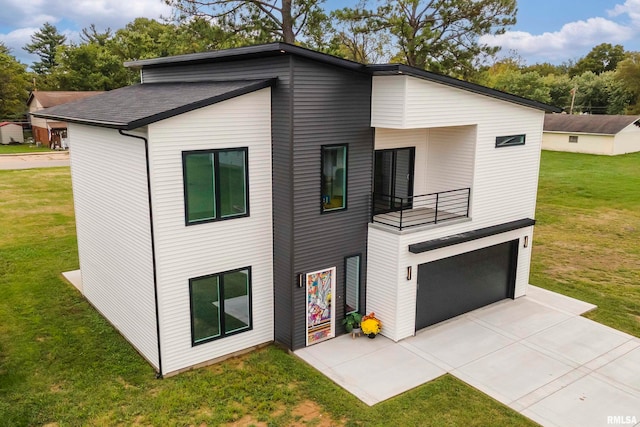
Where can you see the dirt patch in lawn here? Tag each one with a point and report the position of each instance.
(247, 421)
(309, 413)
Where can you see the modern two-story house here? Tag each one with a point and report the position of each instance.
(240, 197)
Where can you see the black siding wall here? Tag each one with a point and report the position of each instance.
(331, 106)
(313, 104)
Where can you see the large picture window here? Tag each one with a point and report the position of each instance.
(220, 305)
(334, 177)
(215, 184)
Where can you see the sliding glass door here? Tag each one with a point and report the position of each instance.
(393, 179)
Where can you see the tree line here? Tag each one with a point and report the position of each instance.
(442, 36)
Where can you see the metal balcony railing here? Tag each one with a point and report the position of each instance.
(413, 211)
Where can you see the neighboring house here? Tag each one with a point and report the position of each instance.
(11, 133)
(256, 194)
(591, 134)
(52, 133)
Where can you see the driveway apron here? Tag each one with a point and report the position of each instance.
(534, 354)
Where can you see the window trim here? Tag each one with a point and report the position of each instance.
(216, 192)
(222, 333)
(502, 141)
(346, 177)
(359, 255)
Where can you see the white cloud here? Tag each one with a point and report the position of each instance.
(571, 41)
(21, 18)
(630, 8)
(16, 39)
(103, 13)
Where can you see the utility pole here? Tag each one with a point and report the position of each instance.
(573, 98)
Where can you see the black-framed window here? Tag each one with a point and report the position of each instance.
(216, 184)
(334, 177)
(220, 305)
(573, 138)
(510, 141)
(352, 276)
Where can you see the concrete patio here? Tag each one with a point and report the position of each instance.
(535, 355)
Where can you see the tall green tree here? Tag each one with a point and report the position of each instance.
(440, 35)
(92, 35)
(628, 75)
(143, 38)
(560, 87)
(284, 20)
(603, 57)
(14, 85)
(507, 75)
(89, 66)
(352, 38)
(44, 43)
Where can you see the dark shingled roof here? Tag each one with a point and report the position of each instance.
(135, 106)
(599, 124)
(275, 49)
(57, 97)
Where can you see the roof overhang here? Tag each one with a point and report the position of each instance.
(400, 69)
(152, 95)
(278, 49)
(429, 245)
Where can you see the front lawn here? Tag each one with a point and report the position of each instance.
(22, 149)
(62, 364)
(587, 238)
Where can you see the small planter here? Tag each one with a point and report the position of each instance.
(371, 326)
(351, 324)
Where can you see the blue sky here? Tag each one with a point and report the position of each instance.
(547, 30)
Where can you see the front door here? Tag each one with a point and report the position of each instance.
(393, 179)
(321, 314)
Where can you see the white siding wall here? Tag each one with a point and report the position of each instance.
(184, 252)
(11, 133)
(383, 253)
(627, 140)
(36, 121)
(451, 158)
(587, 143)
(388, 102)
(504, 180)
(109, 178)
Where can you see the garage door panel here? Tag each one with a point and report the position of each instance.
(461, 283)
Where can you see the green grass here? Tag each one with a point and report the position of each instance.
(586, 238)
(62, 364)
(21, 149)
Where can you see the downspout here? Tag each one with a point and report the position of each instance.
(153, 245)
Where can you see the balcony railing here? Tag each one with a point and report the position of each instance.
(413, 211)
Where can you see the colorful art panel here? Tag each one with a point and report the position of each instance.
(321, 287)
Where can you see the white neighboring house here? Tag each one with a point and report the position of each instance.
(11, 133)
(592, 134)
(258, 194)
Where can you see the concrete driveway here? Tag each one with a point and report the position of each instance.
(535, 355)
(34, 160)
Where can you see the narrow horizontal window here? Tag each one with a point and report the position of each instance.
(220, 305)
(215, 184)
(573, 138)
(508, 141)
(334, 177)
